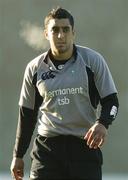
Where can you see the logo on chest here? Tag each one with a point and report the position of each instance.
(47, 75)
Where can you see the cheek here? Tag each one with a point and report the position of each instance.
(51, 38)
(52, 41)
(70, 38)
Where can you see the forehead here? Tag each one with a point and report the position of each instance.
(58, 22)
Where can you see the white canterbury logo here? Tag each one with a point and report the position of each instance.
(113, 111)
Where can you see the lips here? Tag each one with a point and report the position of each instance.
(61, 43)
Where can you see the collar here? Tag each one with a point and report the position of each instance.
(49, 52)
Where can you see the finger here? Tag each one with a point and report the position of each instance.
(87, 135)
(95, 142)
(20, 174)
(17, 174)
(98, 144)
(101, 142)
(14, 174)
(90, 138)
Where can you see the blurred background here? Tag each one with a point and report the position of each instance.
(101, 25)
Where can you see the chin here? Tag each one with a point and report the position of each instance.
(61, 50)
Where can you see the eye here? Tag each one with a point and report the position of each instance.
(66, 29)
(55, 29)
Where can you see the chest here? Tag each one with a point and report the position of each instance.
(72, 77)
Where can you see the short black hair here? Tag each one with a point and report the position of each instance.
(59, 13)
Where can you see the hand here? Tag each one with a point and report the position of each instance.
(17, 168)
(96, 135)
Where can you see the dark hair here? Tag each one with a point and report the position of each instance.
(59, 13)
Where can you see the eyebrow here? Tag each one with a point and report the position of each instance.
(67, 26)
(56, 29)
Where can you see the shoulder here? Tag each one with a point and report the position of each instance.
(88, 52)
(33, 65)
(91, 57)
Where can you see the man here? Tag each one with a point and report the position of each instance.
(65, 85)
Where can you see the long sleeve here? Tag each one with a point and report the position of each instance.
(102, 90)
(26, 125)
(109, 109)
(29, 103)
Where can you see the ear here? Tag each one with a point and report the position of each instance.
(46, 34)
(74, 33)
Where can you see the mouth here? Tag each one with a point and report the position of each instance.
(61, 44)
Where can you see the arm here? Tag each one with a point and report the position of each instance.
(97, 133)
(103, 86)
(26, 125)
(25, 128)
(109, 109)
(30, 100)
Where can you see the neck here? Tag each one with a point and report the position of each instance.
(62, 56)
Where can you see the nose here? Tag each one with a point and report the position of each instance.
(61, 34)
